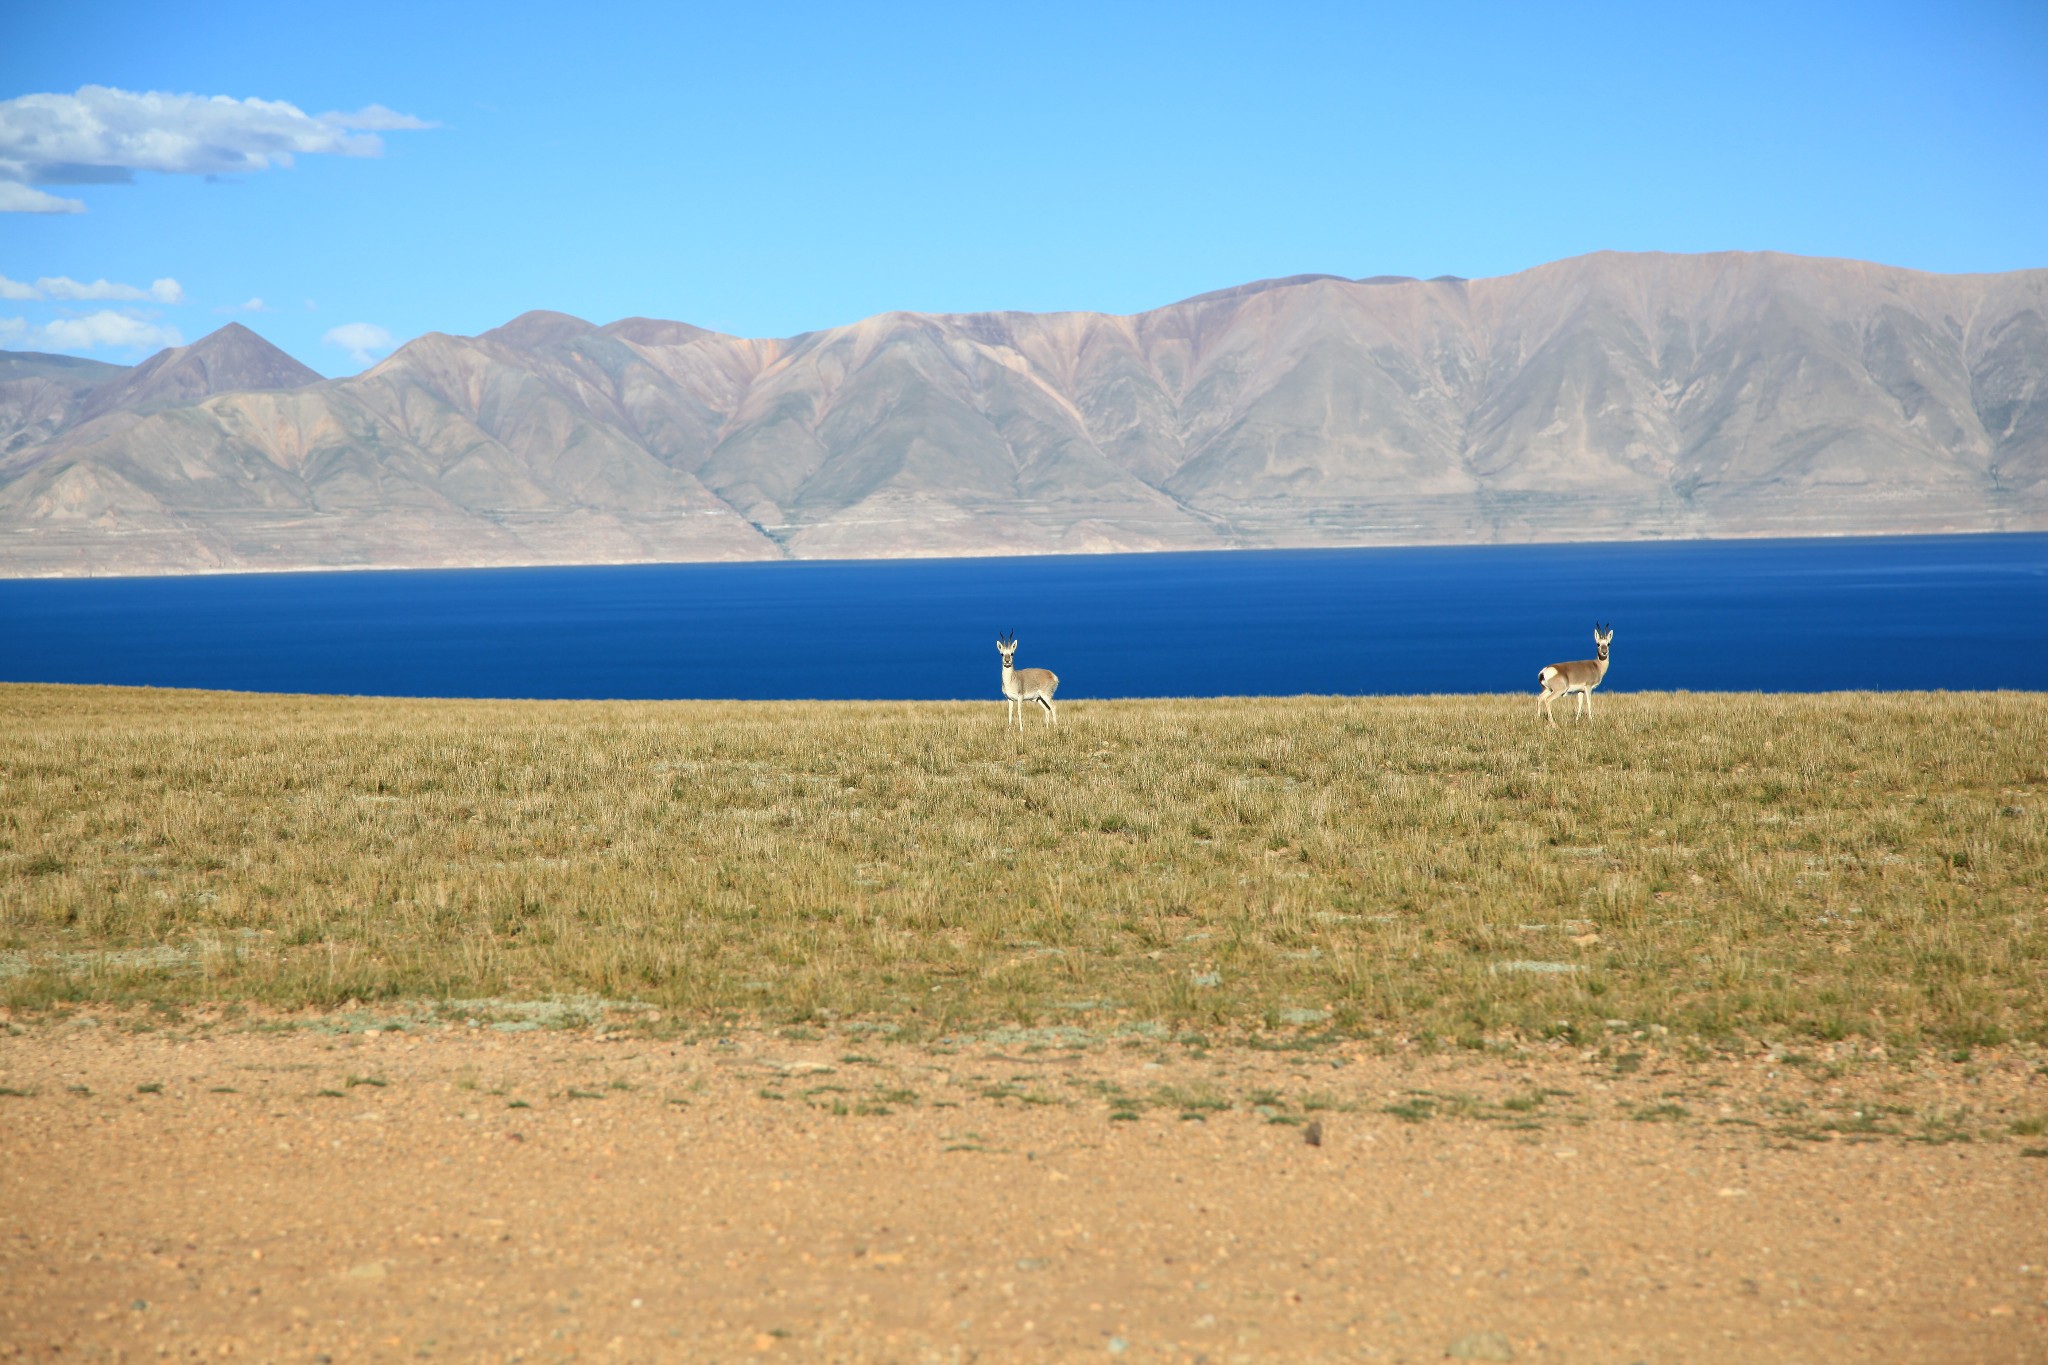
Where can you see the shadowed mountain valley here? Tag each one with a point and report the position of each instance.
(1605, 397)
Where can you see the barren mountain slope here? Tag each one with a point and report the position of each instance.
(1607, 396)
(40, 395)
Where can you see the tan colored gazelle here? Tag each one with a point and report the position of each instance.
(1021, 685)
(1579, 677)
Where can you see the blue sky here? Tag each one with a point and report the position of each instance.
(767, 170)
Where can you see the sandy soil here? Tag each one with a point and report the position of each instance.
(475, 1195)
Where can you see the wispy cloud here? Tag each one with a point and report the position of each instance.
(364, 341)
(102, 135)
(16, 197)
(106, 329)
(62, 287)
(255, 305)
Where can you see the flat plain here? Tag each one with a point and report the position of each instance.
(1710, 1029)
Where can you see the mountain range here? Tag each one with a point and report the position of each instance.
(1611, 396)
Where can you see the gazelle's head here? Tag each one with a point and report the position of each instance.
(1006, 645)
(1603, 636)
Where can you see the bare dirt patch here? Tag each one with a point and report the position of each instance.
(477, 1194)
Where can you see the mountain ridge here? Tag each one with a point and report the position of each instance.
(1613, 395)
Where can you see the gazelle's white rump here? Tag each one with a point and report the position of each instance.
(1575, 679)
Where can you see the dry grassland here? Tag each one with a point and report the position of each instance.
(1733, 869)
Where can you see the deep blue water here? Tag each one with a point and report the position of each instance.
(1961, 612)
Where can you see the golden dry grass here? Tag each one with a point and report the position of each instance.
(1722, 866)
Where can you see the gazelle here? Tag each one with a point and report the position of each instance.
(1021, 685)
(1580, 677)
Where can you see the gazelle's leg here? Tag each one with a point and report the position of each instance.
(1543, 705)
(1589, 703)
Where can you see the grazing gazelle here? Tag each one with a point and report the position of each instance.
(1580, 676)
(1025, 684)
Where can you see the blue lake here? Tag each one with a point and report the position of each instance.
(1960, 612)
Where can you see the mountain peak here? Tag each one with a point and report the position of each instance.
(231, 359)
(1261, 286)
(540, 327)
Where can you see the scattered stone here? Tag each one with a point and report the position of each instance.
(1480, 1346)
(1313, 1134)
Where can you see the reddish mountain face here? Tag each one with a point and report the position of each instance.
(1610, 396)
(231, 360)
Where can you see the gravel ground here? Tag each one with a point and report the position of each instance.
(290, 1193)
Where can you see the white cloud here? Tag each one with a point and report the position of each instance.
(106, 328)
(18, 198)
(376, 117)
(103, 135)
(60, 287)
(255, 305)
(364, 341)
(15, 289)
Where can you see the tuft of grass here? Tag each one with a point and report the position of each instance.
(1660, 1113)
(1795, 869)
(1416, 1109)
